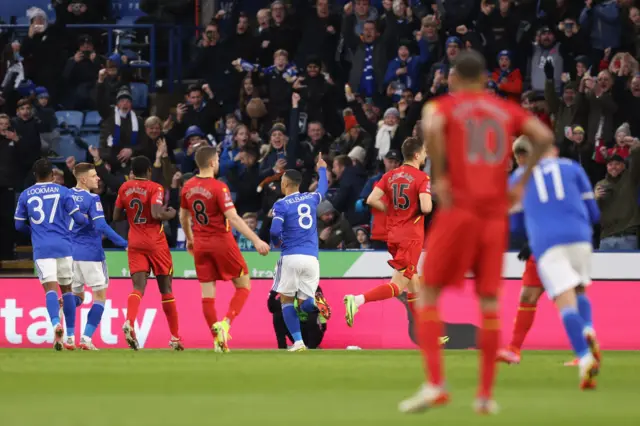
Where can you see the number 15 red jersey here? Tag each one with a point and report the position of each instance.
(403, 187)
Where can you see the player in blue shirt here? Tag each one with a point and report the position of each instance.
(89, 266)
(294, 228)
(558, 211)
(44, 210)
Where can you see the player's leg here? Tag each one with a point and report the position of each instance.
(64, 267)
(139, 280)
(580, 257)
(301, 275)
(47, 274)
(205, 271)
(285, 283)
(96, 276)
(162, 266)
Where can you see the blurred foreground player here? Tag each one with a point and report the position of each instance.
(207, 215)
(558, 212)
(45, 210)
(143, 201)
(469, 134)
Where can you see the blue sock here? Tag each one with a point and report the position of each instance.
(93, 318)
(309, 305)
(53, 307)
(292, 321)
(584, 307)
(574, 326)
(78, 300)
(69, 309)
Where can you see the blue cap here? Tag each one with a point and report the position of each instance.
(453, 40)
(116, 59)
(504, 53)
(194, 131)
(42, 92)
(26, 88)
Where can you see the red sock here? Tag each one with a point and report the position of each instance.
(488, 343)
(382, 292)
(412, 299)
(171, 312)
(237, 302)
(524, 321)
(209, 310)
(429, 332)
(133, 304)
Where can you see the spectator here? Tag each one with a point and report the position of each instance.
(508, 79)
(547, 49)
(363, 238)
(245, 179)
(320, 34)
(369, 63)
(605, 27)
(402, 72)
(28, 145)
(574, 146)
(334, 230)
(8, 160)
(565, 110)
(80, 75)
(351, 179)
(43, 111)
(251, 219)
(597, 100)
(197, 110)
(499, 26)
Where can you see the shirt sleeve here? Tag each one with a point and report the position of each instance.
(95, 209)
(223, 198)
(425, 186)
(157, 198)
(183, 199)
(70, 205)
(120, 199)
(22, 213)
(278, 212)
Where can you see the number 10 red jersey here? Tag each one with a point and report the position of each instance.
(136, 197)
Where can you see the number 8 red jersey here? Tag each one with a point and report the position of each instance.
(136, 197)
(403, 187)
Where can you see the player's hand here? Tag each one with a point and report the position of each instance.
(320, 162)
(190, 247)
(170, 213)
(262, 248)
(442, 191)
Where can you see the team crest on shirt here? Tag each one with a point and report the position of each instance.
(99, 206)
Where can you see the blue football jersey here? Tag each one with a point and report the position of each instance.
(558, 206)
(299, 223)
(87, 238)
(48, 207)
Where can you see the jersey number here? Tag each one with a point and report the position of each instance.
(137, 204)
(479, 131)
(305, 220)
(400, 197)
(200, 212)
(38, 208)
(556, 179)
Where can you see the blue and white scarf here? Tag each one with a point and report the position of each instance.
(114, 139)
(367, 81)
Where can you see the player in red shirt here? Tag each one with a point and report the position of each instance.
(207, 215)
(409, 193)
(143, 203)
(470, 229)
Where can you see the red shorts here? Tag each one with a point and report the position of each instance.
(530, 276)
(460, 241)
(221, 263)
(159, 261)
(405, 257)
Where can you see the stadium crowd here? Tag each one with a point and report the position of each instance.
(276, 88)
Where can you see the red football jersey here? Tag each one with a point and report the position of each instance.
(479, 131)
(379, 224)
(136, 198)
(207, 199)
(403, 187)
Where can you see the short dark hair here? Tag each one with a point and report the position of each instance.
(294, 176)
(82, 168)
(42, 169)
(140, 166)
(410, 147)
(194, 88)
(470, 65)
(343, 160)
(204, 155)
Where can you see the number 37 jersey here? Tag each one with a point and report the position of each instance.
(403, 187)
(136, 197)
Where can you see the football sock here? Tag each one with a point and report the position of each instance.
(584, 308)
(171, 312)
(488, 343)
(412, 299)
(382, 292)
(209, 311)
(69, 309)
(237, 302)
(429, 332)
(78, 300)
(524, 320)
(93, 318)
(292, 321)
(53, 307)
(133, 304)
(573, 325)
(309, 305)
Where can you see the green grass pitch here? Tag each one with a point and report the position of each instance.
(263, 388)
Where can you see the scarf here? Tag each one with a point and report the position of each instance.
(114, 140)
(383, 139)
(367, 80)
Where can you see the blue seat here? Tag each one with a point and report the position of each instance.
(127, 20)
(71, 119)
(140, 94)
(66, 147)
(92, 121)
(22, 20)
(91, 139)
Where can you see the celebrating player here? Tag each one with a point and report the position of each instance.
(470, 229)
(142, 200)
(558, 211)
(409, 192)
(89, 266)
(295, 229)
(48, 206)
(206, 211)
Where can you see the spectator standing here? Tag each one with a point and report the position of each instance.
(351, 179)
(545, 50)
(605, 28)
(8, 160)
(29, 145)
(369, 63)
(197, 111)
(80, 74)
(565, 110)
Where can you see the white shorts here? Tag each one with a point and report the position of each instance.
(297, 275)
(564, 267)
(55, 270)
(92, 274)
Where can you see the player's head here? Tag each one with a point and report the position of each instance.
(414, 152)
(207, 160)
(86, 175)
(470, 71)
(43, 170)
(141, 167)
(521, 150)
(290, 182)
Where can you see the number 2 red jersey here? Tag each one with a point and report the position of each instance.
(207, 199)
(479, 131)
(403, 187)
(136, 197)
